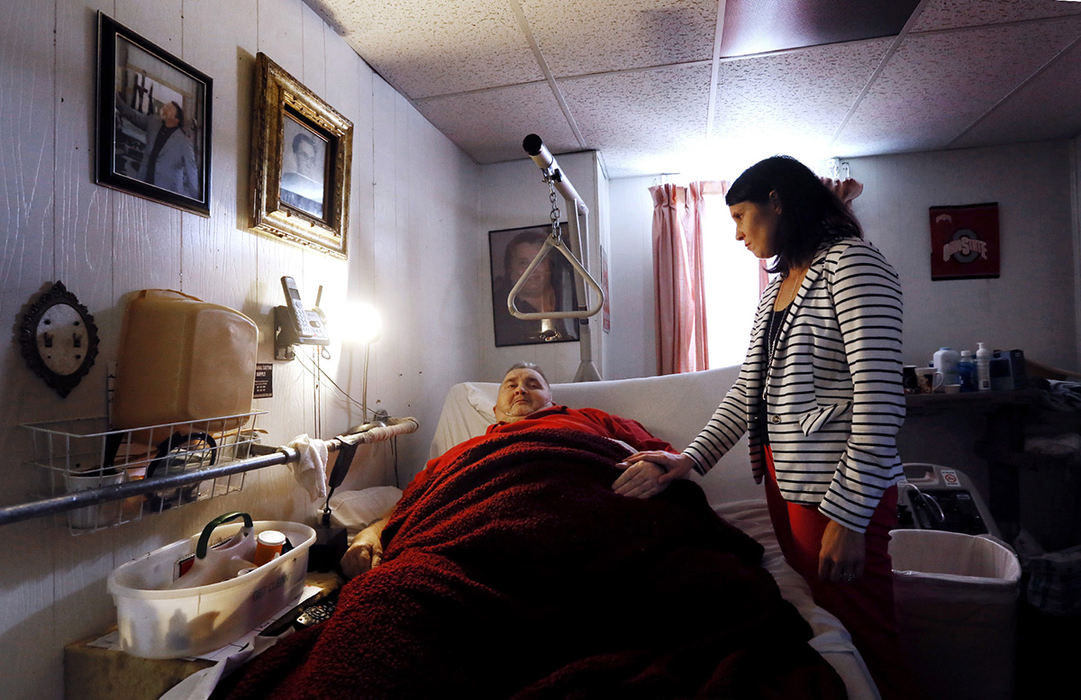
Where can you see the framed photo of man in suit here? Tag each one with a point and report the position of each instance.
(301, 155)
(304, 167)
(153, 121)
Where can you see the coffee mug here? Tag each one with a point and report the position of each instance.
(908, 379)
(928, 379)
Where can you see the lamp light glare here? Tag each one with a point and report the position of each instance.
(362, 323)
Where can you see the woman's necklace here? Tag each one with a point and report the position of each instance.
(789, 288)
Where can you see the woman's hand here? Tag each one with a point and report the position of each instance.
(646, 474)
(366, 551)
(842, 555)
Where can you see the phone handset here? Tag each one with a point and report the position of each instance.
(305, 326)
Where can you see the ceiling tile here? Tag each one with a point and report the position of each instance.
(1040, 110)
(578, 37)
(642, 116)
(490, 125)
(948, 14)
(426, 48)
(795, 96)
(937, 84)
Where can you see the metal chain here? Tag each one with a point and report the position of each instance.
(555, 207)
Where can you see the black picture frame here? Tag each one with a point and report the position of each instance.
(153, 128)
(506, 267)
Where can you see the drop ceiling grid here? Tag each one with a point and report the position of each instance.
(948, 14)
(807, 90)
(658, 110)
(1041, 109)
(578, 38)
(427, 48)
(940, 83)
(490, 124)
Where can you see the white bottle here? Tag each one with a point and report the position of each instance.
(945, 362)
(983, 368)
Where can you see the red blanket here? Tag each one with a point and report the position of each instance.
(514, 570)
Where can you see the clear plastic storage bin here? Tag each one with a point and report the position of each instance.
(160, 623)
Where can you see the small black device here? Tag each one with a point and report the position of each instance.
(314, 614)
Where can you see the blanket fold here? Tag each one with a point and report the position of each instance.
(513, 569)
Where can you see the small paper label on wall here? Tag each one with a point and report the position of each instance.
(264, 380)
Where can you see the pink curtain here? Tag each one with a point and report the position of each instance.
(679, 277)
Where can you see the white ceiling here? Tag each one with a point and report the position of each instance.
(651, 85)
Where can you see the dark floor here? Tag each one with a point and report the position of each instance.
(1048, 654)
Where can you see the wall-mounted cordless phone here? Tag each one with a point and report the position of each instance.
(298, 325)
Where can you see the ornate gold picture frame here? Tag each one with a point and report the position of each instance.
(302, 149)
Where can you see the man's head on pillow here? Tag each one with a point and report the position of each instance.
(524, 390)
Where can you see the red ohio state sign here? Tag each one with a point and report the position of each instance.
(964, 241)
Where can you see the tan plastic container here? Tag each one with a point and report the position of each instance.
(183, 359)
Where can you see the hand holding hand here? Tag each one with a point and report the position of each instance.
(639, 480)
(843, 554)
(648, 473)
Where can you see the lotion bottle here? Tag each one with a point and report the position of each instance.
(983, 368)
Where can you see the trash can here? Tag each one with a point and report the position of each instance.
(956, 602)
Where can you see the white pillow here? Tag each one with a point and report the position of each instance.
(355, 510)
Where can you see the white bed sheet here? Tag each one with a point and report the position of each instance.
(674, 408)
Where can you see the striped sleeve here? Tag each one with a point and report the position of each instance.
(866, 294)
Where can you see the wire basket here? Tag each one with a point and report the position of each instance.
(84, 454)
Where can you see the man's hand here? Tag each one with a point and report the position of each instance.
(843, 554)
(639, 480)
(366, 551)
(646, 474)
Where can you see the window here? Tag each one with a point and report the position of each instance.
(732, 285)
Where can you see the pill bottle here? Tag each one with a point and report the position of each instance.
(268, 544)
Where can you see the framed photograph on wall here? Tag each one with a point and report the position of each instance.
(153, 121)
(301, 156)
(964, 241)
(550, 287)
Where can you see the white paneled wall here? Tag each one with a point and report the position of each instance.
(412, 253)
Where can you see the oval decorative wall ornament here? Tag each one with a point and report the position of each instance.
(58, 338)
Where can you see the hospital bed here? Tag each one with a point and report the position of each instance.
(674, 408)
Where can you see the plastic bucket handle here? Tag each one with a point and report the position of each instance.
(204, 539)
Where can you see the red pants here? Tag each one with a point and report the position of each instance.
(865, 606)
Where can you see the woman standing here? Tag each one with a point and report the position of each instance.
(820, 395)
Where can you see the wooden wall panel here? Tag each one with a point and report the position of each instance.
(27, 258)
(218, 256)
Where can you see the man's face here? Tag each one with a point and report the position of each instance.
(169, 115)
(522, 392)
(519, 261)
(305, 155)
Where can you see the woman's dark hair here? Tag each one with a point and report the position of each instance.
(811, 214)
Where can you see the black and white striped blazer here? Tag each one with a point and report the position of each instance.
(833, 392)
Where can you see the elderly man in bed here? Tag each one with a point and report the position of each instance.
(525, 399)
(520, 563)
